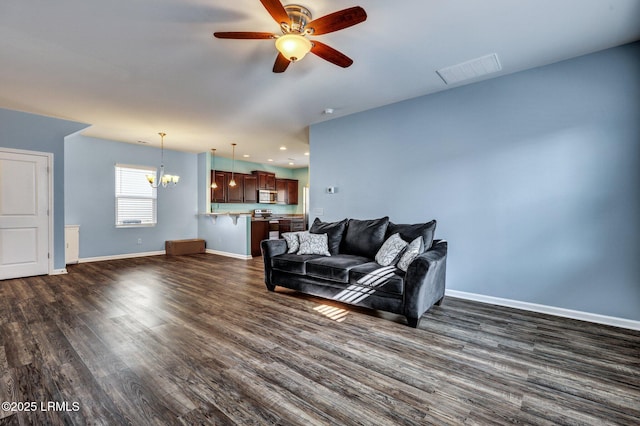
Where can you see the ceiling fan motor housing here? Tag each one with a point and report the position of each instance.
(299, 17)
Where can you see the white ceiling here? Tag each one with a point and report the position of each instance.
(133, 68)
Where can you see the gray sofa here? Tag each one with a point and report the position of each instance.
(351, 274)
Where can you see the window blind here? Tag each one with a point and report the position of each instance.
(136, 200)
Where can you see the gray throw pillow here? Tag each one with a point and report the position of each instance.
(390, 251)
(293, 241)
(314, 244)
(413, 250)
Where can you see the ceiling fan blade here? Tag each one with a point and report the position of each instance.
(337, 21)
(276, 10)
(243, 35)
(330, 54)
(281, 63)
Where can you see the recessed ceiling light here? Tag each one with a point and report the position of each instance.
(270, 160)
(246, 155)
(283, 148)
(328, 111)
(306, 153)
(291, 163)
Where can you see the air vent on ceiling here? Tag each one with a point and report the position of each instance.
(470, 69)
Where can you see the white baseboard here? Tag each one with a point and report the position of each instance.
(227, 254)
(544, 309)
(120, 256)
(157, 253)
(59, 271)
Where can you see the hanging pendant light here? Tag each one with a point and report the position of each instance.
(232, 182)
(214, 185)
(162, 178)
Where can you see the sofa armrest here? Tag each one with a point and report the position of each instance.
(271, 248)
(425, 280)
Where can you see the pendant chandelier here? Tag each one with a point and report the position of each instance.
(162, 178)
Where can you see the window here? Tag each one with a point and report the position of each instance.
(136, 200)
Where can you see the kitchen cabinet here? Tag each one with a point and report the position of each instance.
(281, 189)
(259, 232)
(294, 224)
(218, 195)
(292, 191)
(248, 185)
(266, 180)
(235, 194)
(250, 189)
(287, 191)
(297, 224)
(284, 225)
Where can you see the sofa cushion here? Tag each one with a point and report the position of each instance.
(314, 244)
(388, 279)
(334, 231)
(413, 250)
(364, 237)
(293, 263)
(334, 268)
(411, 232)
(391, 250)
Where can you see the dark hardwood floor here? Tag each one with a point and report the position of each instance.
(199, 340)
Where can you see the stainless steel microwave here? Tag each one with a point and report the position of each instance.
(267, 197)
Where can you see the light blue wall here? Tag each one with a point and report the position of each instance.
(90, 201)
(19, 130)
(533, 178)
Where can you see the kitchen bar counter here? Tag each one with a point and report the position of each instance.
(233, 215)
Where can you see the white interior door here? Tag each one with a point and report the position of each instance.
(24, 220)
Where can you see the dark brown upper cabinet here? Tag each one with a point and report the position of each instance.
(266, 180)
(250, 189)
(235, 194)
(287, 191)
(219, 194)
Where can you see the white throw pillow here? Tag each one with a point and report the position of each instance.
(413, 250)
(390, 250)
(314, 244)
(293, 240)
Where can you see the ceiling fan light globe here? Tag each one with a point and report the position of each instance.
(293, 46)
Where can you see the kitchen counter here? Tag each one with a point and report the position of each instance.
(295, 217)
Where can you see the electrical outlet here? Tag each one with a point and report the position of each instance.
(139, 240)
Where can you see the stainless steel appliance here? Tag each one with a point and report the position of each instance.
(262, 213)
(274, 224)
(266, 196)
(274, 229)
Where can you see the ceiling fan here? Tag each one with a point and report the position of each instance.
(296, 24)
